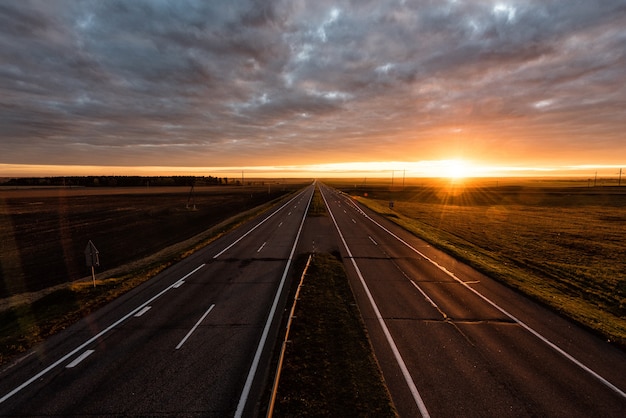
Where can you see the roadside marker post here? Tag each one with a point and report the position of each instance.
(92, 259)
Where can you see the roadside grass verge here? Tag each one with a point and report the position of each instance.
(27, 320)
(569, 258)
(329, 367)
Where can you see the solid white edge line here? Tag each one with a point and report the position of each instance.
(405, 371)
(255, 227)
(515, 319)
(180, 344)
(182, 279)
(257, 356)
(79, 359)
(89, 341)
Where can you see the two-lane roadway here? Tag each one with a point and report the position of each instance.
(452, 342)
(193, 341)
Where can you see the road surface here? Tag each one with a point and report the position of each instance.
(193, 341)
(452, 342)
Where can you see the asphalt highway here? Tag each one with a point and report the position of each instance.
(452, 342)
(196, 340)
(193, 341)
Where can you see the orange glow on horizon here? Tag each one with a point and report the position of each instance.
(448, 168)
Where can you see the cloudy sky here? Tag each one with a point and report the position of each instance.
(245, 83)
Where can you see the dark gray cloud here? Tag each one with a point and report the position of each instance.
(197, 83)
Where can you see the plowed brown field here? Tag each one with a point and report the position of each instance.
(45, 231)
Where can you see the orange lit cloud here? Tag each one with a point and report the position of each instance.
(197, 85)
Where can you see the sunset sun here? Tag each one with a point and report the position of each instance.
(455, 169)
(184, 182)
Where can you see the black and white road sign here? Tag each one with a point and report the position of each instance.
(91, 255)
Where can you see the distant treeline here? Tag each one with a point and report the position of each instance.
(117, 181)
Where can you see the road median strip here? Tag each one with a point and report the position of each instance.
(329, 367)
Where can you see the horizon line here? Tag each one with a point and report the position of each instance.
(445, 168)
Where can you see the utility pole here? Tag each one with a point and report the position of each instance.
(619, 181)
(403, 178)
(191, 199)
(595, 179)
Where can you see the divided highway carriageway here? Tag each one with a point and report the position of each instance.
(452, 342)
(193, 341)
(197, 339)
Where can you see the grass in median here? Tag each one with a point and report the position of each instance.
(317, 207)
(329, 368)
